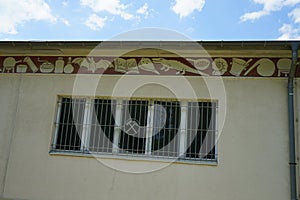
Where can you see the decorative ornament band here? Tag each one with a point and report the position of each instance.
(218, 66)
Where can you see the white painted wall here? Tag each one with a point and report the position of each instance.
(253, 146)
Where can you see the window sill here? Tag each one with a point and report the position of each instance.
(134, 157)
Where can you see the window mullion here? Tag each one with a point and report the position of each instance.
(86, 125)
(118, 124)
(183, 127)
(149, 132)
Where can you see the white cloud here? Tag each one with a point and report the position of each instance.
(295, 15)
(268, 7)
(95, 22)
(288, 32)
(144, 10)
(291, 2)
(114, 7)
(254, 15)
(292, 30)
(65, 3)
(185, 7)
(66, 22)
(15, 12)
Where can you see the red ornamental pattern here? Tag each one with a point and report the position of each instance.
(217, 66)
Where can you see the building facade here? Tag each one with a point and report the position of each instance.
(149, 120)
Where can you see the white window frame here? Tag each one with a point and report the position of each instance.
(182, 140)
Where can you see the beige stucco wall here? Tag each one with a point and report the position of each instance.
(253, 145)
(9, 96)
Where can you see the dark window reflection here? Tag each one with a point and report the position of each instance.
(102, 125)
(70, 124)
(134, 122)
(201, 130)
(165, 128)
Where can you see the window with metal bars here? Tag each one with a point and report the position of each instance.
(151, 128)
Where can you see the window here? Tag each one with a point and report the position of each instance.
(137, 127)
(70, 124)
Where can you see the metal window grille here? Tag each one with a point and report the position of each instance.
(134, 127)
(201, 130)
(69, 124)
(148, 128)
(102, 126)
(165, 128)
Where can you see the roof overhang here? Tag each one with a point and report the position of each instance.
(149, 48)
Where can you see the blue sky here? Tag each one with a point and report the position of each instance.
(105, 19)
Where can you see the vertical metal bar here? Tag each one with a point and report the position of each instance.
(188, 128)
(123, 120)
(75, 115)
(138, 105)
(86, 125)
(110, 108)
(202, 147)
(59, 106)
(149, 130)
(215, 129)
(108, 144)
(92, 136)
(207, 135)
(145, 124)
(211, 135)
(79, 123)
(64, 110)
(183, 126)
(67, 123)
(118, 124)
(98, 131)
(89, 124)
(98, 123)
(101, 136)
(169, 106)
(176, 138)
(143, 105)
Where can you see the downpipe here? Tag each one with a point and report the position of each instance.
(292, 153)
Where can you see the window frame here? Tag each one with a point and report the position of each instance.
(115, 153)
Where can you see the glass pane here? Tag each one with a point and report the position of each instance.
(134, 126)
(70, 124)
(166, 123)
(201, 130)
(102, 125)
